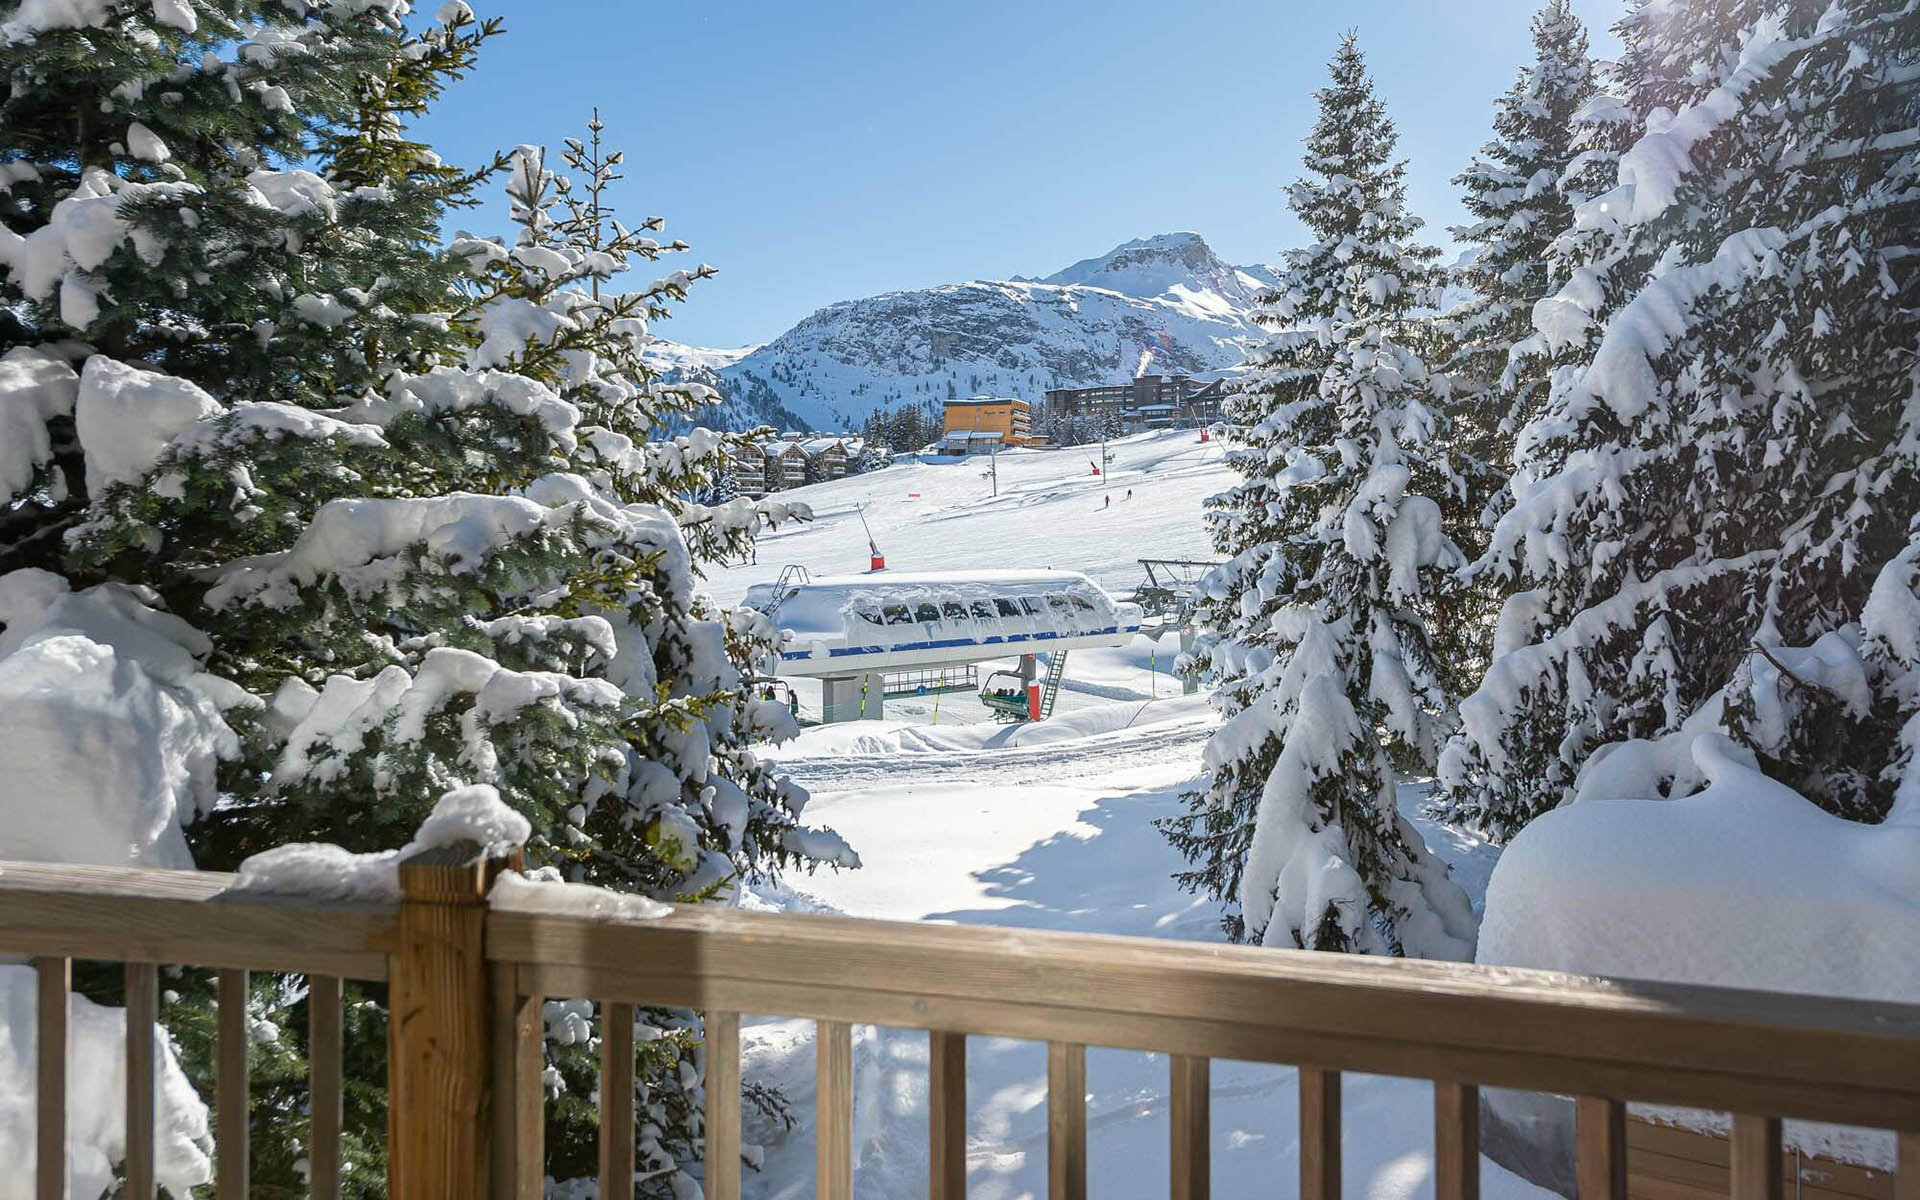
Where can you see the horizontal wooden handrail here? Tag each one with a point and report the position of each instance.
(467, 1062)
(186, 918)
(1748, 1051)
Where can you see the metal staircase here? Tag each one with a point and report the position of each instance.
(1050, 687)
(791, 577)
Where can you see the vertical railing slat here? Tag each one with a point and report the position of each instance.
(1456, 1141)
(503, 1013)
(230, 1087)
(1600, 1149)
(1759, 1172)
(1066, 1121)
(143, 1008)
(722, 1168)
(946, 1116)
(325, 1046)
(1906, 1167)
(833, 1122)
(1191, 1152)
(1319, 1134)
(55, 980)
(516, 1120)
(616, 1102)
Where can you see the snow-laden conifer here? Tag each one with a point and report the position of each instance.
(1515, 189)
(1730, 454)
(1337, 560)
(326, 516)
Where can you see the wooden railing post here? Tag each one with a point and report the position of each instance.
(1319, 1134)
(233, 1036)
(616, 1101)
(1191, 1146)
(833, 1112)
(439, 1066)
(1066, 1121)
(325, 1043)
(1600, 1148)
(519, 1095)
(143, 1006)
(51, 1169)
(1758, 1172)
(1456, 1141)
(946, 1116)
(721, 1178)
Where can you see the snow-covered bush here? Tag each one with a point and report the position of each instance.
(96, 1079)
(311, 513)
(1338, 560)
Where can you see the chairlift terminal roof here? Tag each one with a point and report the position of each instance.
(841, 624)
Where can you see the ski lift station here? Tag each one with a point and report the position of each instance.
(851, 631)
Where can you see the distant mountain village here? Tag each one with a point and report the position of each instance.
(1163, 304)
(979, 425)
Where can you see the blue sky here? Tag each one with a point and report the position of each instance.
(824, 151)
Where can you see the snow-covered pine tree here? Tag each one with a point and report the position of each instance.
(1890, 627)
(118, 112)
(873, 457)
(1338, 557)
(159, 251)
(1517, 191)
(1514, 191)
(374, 516)
(1069, 429)
(542, 313)
(907, 429)
(1728, 461)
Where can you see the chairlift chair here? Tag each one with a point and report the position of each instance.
(1005, 692)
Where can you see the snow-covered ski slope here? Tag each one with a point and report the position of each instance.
(944, 517)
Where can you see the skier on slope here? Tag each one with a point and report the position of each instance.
(1106, 502)
(1129, 493)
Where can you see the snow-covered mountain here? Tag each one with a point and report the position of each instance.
(1166, 304)
(1179, 267)
(744, 404)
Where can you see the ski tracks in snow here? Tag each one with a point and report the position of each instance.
(1047, 762)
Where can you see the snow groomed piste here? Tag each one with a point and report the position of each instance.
(848, 630)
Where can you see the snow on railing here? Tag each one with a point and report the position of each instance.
(472, 949)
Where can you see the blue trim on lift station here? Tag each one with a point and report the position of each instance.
(995, 640)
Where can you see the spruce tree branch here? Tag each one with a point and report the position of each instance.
(15, 550)
(1784, 669)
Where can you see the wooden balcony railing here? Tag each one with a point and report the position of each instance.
(468, 981)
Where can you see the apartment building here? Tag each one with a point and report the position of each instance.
(1148, 402)
(1007, 416)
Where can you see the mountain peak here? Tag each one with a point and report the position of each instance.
(1180, 264)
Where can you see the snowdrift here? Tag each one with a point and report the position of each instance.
(96, 1079)
(1742, 884)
